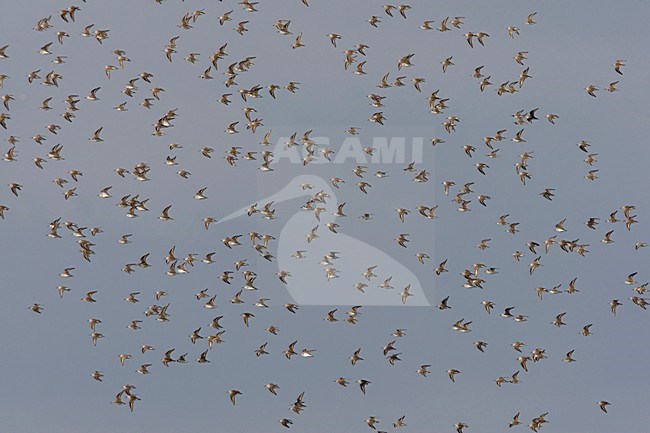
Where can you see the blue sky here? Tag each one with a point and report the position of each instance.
(47, 360)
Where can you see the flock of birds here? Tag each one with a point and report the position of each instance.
(57, 29)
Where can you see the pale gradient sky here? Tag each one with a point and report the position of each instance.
(46, 360)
